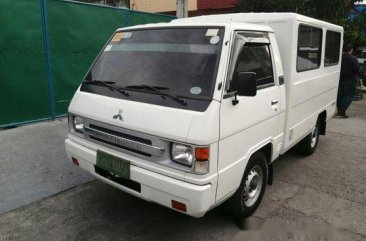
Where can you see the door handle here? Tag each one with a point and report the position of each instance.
(274, 102)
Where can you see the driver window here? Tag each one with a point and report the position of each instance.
(254, 58)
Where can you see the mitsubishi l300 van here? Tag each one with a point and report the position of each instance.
(191, 113)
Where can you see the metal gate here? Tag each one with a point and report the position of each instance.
(46, 46)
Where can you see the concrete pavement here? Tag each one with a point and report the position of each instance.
(320, 197)
(33, 164)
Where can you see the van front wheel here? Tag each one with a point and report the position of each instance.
(250, 192)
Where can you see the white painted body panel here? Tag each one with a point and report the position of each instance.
(308, 93)
(141, 117)
(233, 133)
(154, 186)
(248, 126)
(163, 122)
(245, 128)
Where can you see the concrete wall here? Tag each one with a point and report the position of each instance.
(159, 5)
(218, 4)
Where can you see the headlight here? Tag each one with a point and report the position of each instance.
(182, 154)
(76, 123)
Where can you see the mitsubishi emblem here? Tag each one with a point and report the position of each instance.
(119, 115)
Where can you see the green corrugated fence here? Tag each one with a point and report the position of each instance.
(46, 47)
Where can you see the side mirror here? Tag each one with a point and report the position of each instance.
(247, 84)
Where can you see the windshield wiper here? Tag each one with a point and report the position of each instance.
(108, 84)
(147, 87)
(157, 89)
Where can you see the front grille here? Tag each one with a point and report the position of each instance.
(120, 180)
(123, 135)
(116, 133)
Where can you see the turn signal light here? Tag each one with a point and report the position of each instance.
(202, 153)
(179, 206)
(75, 161)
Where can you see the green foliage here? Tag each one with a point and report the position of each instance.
(334, 11)
(355, 30)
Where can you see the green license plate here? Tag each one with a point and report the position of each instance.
(113, 164)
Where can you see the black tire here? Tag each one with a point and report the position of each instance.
(308, 145)
(239, 204)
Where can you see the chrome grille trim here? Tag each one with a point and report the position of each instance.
(123, 142)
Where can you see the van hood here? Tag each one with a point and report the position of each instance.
(165, 122)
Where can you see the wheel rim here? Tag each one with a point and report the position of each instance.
(314, 137)
(253, 186)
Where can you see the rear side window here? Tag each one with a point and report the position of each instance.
(332, 47)
(309, 48)
(255, 58)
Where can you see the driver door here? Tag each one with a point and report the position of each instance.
(253, 121)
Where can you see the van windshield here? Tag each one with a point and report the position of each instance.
(181, 61)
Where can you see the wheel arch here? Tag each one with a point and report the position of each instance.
(235, 204)
(267, 150)
(322, 118)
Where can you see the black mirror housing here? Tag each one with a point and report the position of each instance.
(247, 84)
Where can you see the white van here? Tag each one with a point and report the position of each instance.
(193, 112)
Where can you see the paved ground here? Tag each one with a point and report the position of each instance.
(321, 197)
(33, 164)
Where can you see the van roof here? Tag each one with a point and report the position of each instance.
(256, 17)
(176, 23)
(249, 21)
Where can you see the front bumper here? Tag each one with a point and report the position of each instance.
(154, 186)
